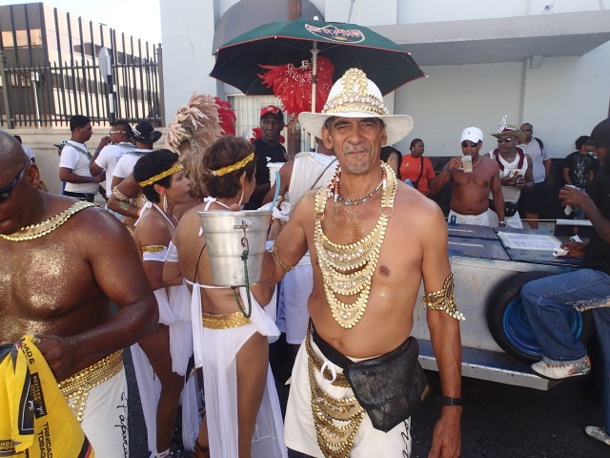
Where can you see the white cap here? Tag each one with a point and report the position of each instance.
(473, 134)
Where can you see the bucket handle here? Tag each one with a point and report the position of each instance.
(243, 225)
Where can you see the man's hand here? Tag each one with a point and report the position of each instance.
(575, 249)
(455, 163)
(59, 353)
(447, 436)
(572, 196)
(276, 227)
(103, 142)
(99, 178)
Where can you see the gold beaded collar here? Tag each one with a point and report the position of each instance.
(35, 231)
(348, 270)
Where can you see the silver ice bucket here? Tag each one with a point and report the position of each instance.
(227, 235)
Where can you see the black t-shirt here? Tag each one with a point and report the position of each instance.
(580, 165)
(597, 254)
(262, 151)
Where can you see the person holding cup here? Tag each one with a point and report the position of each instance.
(515, 169)
(473, 177)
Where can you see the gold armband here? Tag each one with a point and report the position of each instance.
(443, 300)
(119, 195)
(279, 261)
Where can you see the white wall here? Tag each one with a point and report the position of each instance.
(455, 97)
(187, 31)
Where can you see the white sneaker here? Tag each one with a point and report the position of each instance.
(576, 238)
(598, 433)
(563, 370)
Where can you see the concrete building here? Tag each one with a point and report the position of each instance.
(539, 61)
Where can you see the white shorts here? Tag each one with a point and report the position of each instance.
(479, 220)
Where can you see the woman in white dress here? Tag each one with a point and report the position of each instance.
(162, 180)
(231, 344)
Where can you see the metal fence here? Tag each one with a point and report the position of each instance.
(36, 92)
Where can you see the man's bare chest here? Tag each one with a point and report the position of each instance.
(40, 277)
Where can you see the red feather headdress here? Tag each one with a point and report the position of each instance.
(293, 85)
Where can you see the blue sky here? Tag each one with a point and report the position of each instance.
(140, 18)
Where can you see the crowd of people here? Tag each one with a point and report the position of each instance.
(84, 283)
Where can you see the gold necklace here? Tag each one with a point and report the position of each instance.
(35, 231)
(348, 270)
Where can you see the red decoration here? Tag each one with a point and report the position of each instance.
(293, 85)
(226, 117)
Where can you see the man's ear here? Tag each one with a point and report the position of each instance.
(384, 136)
(33, 175)
(326, 138)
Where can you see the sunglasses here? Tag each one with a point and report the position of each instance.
(117, 132)
(5, 192)
(505, 140)
(469, 144)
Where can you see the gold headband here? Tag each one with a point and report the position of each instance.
(160, 176)
(232, 168)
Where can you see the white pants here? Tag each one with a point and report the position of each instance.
(105, 419)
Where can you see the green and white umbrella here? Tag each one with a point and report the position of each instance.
(239, 61)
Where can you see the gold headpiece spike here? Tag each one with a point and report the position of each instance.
(160, 176)
(232, 168)
(502, 124)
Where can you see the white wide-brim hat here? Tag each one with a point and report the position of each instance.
(356, 96)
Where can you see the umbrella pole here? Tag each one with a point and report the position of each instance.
(314, 81)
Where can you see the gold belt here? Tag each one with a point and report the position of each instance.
(336, 420)
(224, 321)
(76, 388)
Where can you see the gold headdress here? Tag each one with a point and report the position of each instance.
(233, 167)
(175, 169)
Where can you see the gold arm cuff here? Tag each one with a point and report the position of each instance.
(119, 195)
(279, 261)
(443, 300)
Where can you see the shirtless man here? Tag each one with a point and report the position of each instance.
(405, 240)
(470, 191)
(64, 263)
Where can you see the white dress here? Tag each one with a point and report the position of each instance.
(174, 312)
(215, 350)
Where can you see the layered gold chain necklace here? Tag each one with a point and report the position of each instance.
(347, 270)
(47, 226)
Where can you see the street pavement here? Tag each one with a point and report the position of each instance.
(499, 421)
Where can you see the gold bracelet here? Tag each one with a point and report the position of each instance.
(279, 261)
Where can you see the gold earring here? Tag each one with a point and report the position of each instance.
(165, 204)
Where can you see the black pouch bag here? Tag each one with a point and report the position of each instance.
(390, 387)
